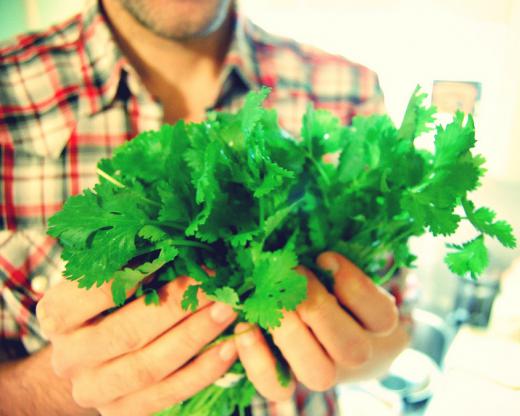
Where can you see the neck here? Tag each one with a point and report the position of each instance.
(169, 67)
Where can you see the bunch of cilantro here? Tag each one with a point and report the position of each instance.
(236, 195)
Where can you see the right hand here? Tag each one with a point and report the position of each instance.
(137, 360)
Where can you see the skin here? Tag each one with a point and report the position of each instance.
(349, 335)
(179, 54)
(142, 359)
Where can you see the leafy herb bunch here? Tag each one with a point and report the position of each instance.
(236, 195)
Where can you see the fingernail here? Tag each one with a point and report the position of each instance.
(227, 351)
(328, 262)
(247, 339)
(220, 312)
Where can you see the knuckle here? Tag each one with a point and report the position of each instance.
(144, 373)
(192, 337)
(357, 353)
(123, 339)
(318, 307)
(288, 329)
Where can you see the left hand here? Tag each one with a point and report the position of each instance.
(350, 334)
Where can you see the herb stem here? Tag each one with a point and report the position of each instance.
(261, 214)
(109, 178)
(169, 224)
(118, 184)
(325, 178)
(190, 243)
(224, 338)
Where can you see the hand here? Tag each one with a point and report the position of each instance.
(136, 360)
(323, 342)
(30, 387)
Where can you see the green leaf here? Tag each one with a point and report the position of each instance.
(226, 295)
(483, 220)
(190, 302)
(455, 140)
(151, 297)
(469, 258)
(418, 118)
(101, 226)
(152, 233)
(129, 278)
(278, 287)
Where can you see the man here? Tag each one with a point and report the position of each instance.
(68, 97)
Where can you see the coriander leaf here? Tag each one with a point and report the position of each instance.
(278, 287)
(455, 140)
(252, 111)
(277, 219)
(418, 118)
(468, 258)
(483, 220)
(129, 278)
(318, 230)
(101, 226)
(321, 132)
(151, 297)
(226, 295)
(190, 302)
(152, 233)
(149, 150)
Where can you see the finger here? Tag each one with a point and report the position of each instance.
(371, 304)
(66, 306)
(156, 361)
(305, 356)
(260, 364)
(127, 329)
(203, 371)
(344, 340)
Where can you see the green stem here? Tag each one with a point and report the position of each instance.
(190, 243)
(388, 275)
(325, 178)
(320, 170)
(170, 224)
(261, 214)
(118, 184)
(224, 338)
(146, 250)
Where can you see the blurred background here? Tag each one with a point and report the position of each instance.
(464, 52)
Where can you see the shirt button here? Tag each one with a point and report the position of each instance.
(39, 283)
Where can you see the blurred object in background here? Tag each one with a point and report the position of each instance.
(453, 96)
(31, 15)
(475, 298)
(406, 41)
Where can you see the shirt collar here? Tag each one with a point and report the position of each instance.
(241, 56)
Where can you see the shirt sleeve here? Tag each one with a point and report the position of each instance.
(29, 264)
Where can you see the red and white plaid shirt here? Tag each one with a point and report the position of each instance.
(68, 97)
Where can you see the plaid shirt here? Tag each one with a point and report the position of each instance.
(68, 97)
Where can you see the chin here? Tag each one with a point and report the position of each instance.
(179, 19)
